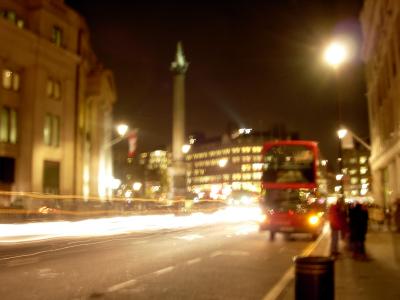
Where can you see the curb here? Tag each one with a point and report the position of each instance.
(284, 288)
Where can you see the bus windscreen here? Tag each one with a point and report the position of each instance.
(289, 164)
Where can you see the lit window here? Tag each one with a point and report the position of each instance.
(8, 125)
(246, 149)
(237, 176)
(353, 160)
(353, 171)
(257, 175)
(10, 80)
(226, 151)
(57, 36)
(15, 81)
(257, 158)
(13, 127)
(236, 159)
(50, 88)
(11, 16)
(363, 170)
(246, 168)
(236, 185)
(363, 160)
(257, 167)
(47, 130)
(7, 79)
(4, 124)
(236, 150)
(364, 180)
(51, 130)
(354, 192)
(246, 176)
(256, 149)
(226, 177)
(20, 23)
(246, 158)
(354, 180)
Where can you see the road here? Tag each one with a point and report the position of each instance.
(216, 261)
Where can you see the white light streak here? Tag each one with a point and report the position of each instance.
(14, 233)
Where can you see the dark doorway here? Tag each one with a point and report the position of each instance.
(51, 177)
(7, 171)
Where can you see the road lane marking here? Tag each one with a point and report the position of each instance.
(277, 289)
(76, 246)
(165, 270)
(131, 282)
(21, 262)
(47, 273)
(193, 261)
(229, 253)
(121, 285)
(190, 237)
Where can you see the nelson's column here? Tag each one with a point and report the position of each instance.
(178, 170)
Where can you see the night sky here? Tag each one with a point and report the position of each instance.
(256, 63)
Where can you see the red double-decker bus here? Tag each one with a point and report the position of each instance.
(290, 192)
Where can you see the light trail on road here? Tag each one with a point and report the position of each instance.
(15, 233)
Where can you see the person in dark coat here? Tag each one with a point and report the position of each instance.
(358, 223)
(337, 220)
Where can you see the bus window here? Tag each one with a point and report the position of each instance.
(289, 164)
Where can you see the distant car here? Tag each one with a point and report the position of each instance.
(242, 198)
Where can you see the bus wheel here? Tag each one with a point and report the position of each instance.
(272, 235)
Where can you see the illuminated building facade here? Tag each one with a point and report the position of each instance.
(55, 102)
(155, 172)
(218, 167)
(380, 22)
(356, 172)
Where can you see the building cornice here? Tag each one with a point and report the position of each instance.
(380, 160)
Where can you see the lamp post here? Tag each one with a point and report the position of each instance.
(342, 132)
(335, 55)
(122, 130)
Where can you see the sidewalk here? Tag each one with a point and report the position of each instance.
(377, 278)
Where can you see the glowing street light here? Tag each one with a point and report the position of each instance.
(339, 177)
(137, 186)
(186, 148)
(342, 133)
(122, 129)
(335, 54)
(222, 162)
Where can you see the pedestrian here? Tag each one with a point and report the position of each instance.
(358, 223)
(336, 219)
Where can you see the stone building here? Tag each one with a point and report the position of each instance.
(56, 102)
(380, 22)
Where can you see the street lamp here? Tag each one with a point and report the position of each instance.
(343, 132)
(122, 129)
(335, 54)
(186, 148)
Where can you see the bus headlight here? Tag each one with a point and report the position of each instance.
(313, 220)
(262, 218)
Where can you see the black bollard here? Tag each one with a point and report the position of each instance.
(314, 278)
